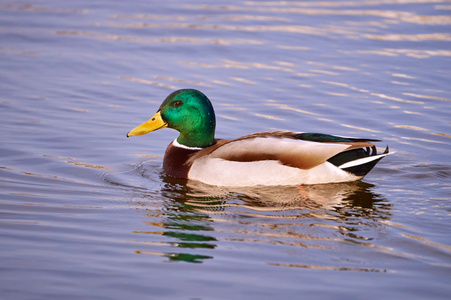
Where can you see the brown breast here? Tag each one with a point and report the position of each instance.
(176, 162)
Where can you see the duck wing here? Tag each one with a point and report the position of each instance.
(299, 150)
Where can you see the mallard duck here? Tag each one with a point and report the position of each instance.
(264, 158)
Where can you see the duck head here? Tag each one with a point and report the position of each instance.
(189, 112)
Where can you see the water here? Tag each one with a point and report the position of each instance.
(89, 214)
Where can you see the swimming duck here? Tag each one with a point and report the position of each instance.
(264, 158)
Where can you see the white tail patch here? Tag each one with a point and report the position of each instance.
(362, 161)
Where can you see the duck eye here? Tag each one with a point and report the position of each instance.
(177, 103)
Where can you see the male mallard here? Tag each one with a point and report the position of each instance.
(265, 158)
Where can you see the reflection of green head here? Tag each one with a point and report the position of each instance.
(191, 113)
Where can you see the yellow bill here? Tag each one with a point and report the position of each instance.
(154, 123)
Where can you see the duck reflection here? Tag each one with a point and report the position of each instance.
(338, 197)
(198, 217)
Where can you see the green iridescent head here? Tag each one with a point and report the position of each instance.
(187, 111)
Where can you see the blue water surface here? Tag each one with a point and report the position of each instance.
(86, 213)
